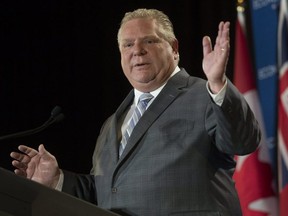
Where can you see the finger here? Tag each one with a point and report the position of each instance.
(222, 45)
(20, 168)
(219, 35)
(28, 151)
(207, 45)
(20, 157)
(15, 155)
(19, 165)
(20, 172)
(224, 35)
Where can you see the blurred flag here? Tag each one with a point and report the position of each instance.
(253, 175)
(264, 21)
(283, 108)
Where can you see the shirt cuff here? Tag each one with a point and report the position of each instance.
(219, 97)
(59, 185)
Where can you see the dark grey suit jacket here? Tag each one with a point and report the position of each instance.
(179, 158)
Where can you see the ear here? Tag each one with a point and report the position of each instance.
(174, 46)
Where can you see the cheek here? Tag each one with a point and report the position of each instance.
(125, 57)
(125, 65)
(124, 60)
(164, 61)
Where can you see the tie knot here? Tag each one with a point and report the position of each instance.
(145, 98)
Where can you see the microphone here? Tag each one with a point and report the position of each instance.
(56, 116)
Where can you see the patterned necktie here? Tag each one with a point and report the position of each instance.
(138, 112)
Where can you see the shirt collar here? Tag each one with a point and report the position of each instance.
(137, 93)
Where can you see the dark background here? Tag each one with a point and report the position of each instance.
(65, 53)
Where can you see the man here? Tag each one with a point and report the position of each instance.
(178, 159)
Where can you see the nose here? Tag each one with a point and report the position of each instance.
(139, 50)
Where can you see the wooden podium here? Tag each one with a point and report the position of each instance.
(22, 197)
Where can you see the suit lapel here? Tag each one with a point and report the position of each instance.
(169, 93)
(115, 132)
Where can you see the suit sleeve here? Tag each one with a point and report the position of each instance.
(233, 126)
(81, 186)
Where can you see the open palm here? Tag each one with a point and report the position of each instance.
(39, 166)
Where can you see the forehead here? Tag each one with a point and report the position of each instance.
(139, 26)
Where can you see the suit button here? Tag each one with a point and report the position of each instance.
(114, 190)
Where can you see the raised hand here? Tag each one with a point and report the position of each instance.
(39, 166)
(215, 59)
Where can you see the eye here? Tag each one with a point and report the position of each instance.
(150, 41)
(127, 44)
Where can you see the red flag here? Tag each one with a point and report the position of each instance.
(283, 108)
(253, 175)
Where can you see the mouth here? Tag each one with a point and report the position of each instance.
(140, 64)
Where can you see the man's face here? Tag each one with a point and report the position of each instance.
(146, 58)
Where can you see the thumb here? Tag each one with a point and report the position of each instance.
(43, 152)
(41, 149)
(207, 45)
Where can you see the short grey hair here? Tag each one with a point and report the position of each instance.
(166, 26)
